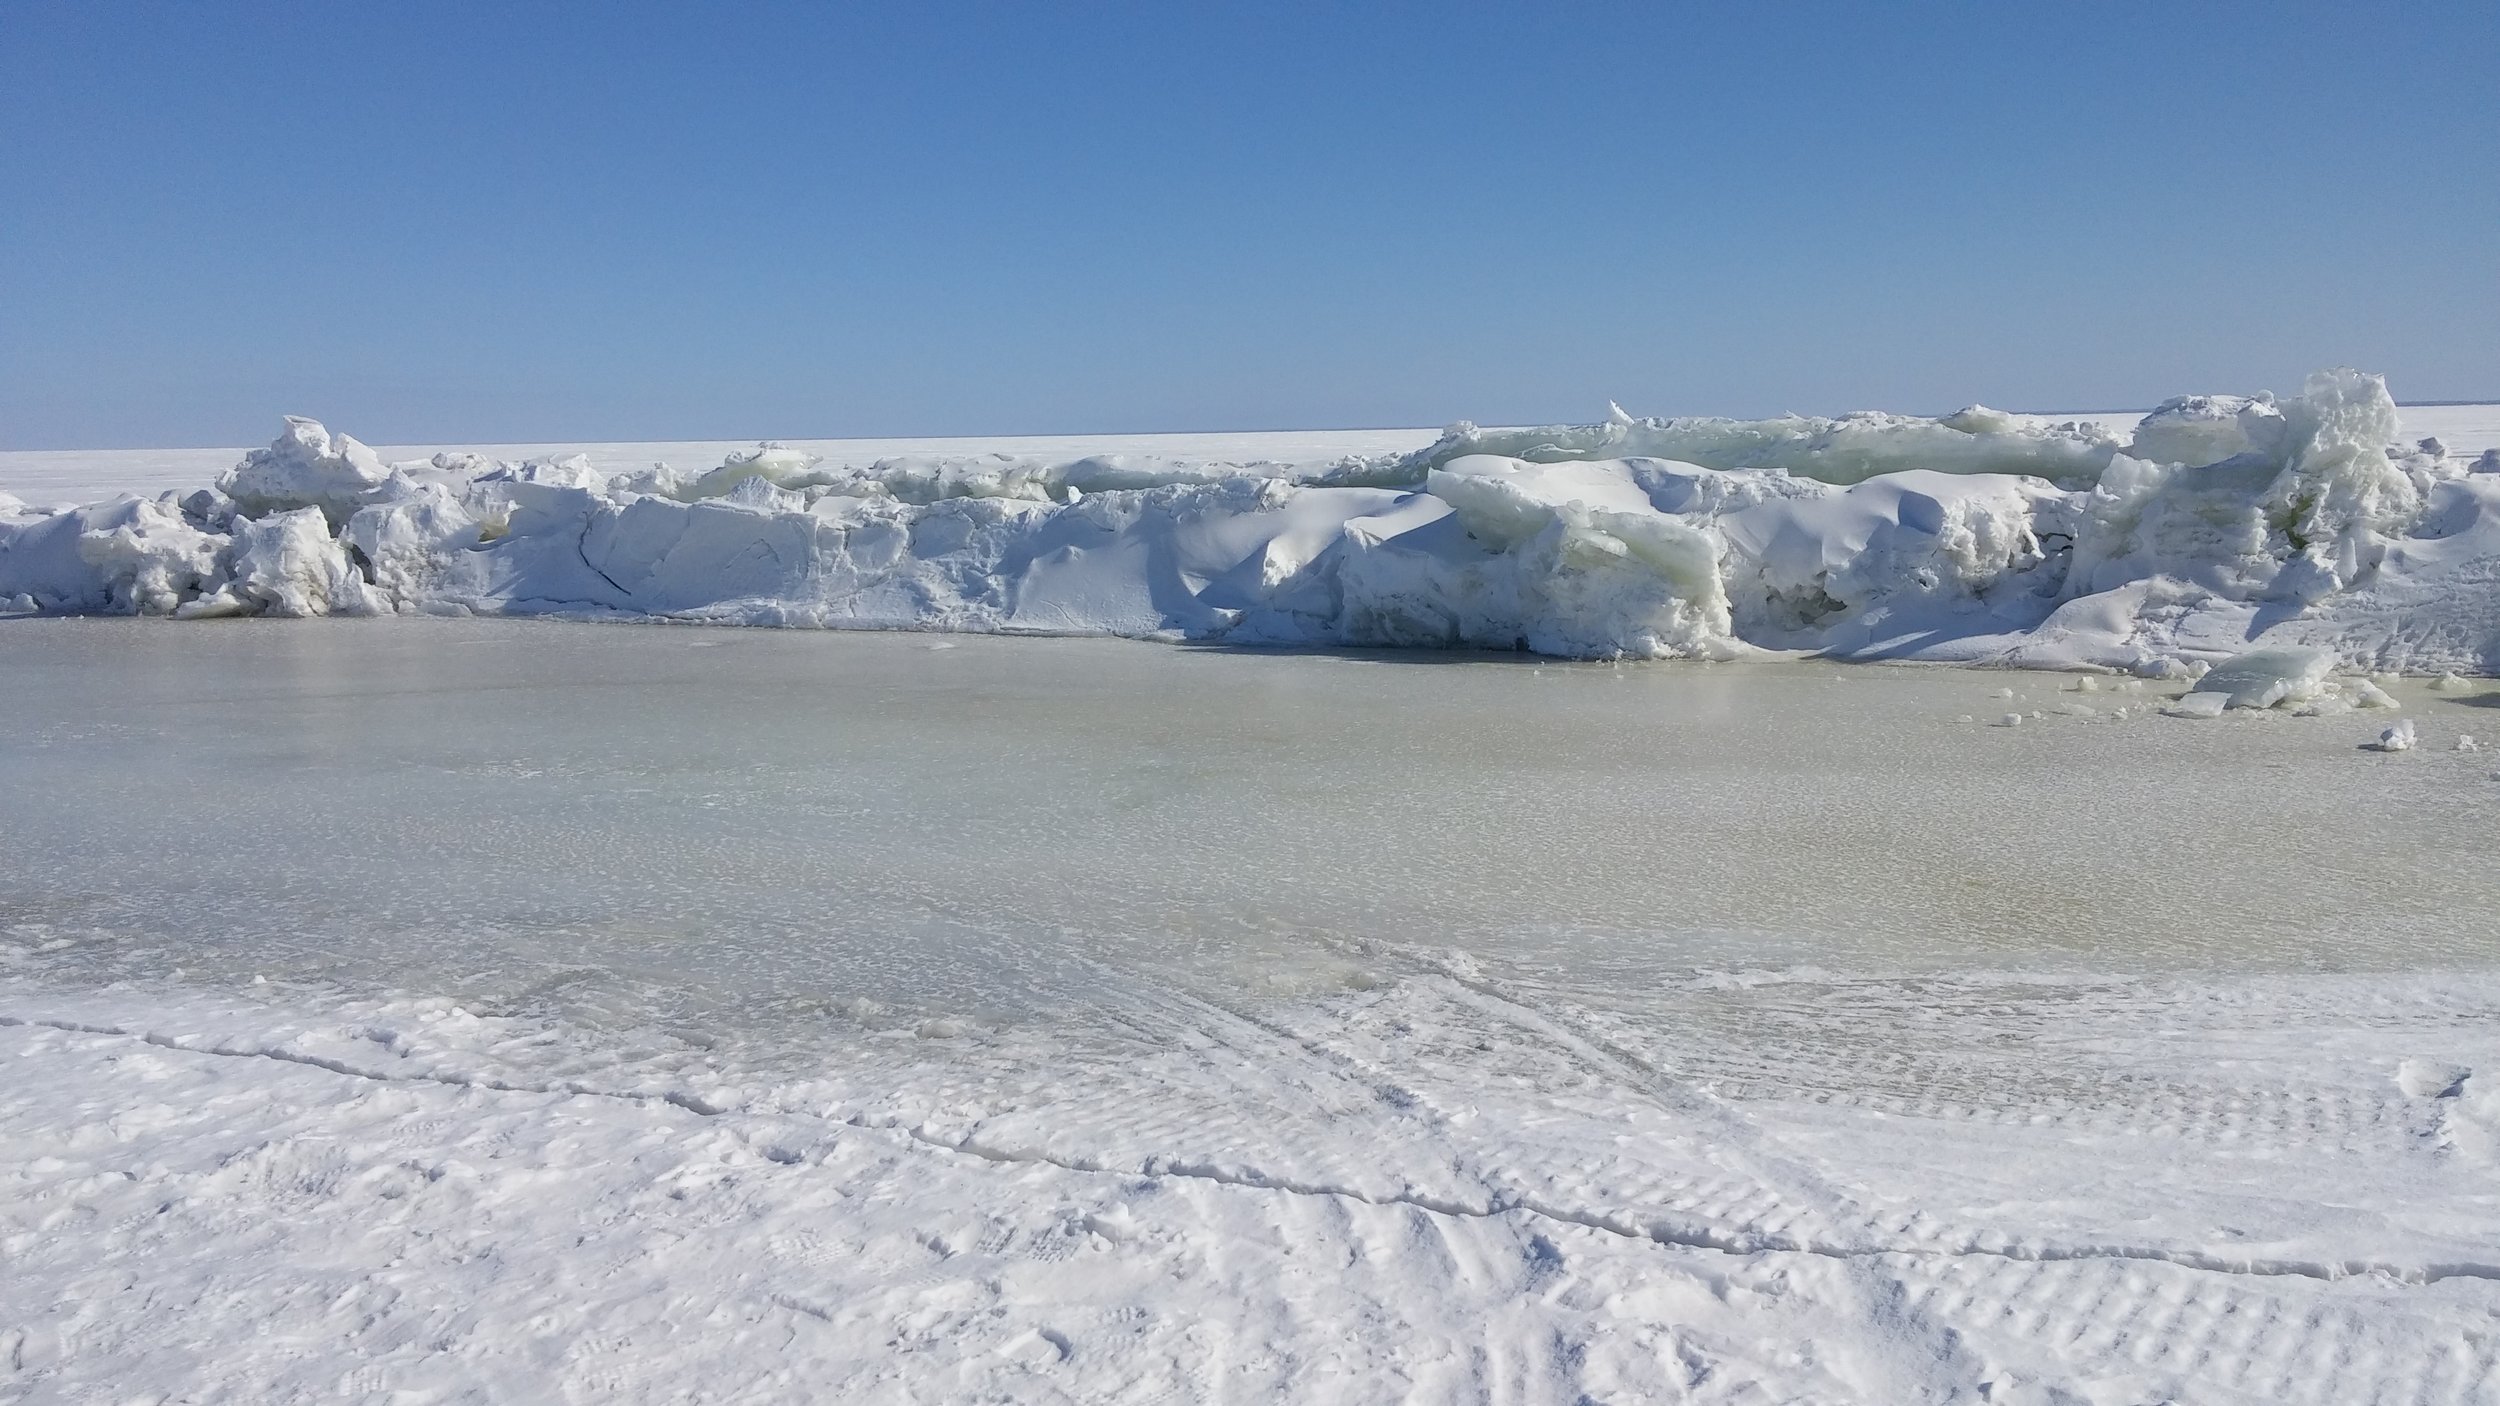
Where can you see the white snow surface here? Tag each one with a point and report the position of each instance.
(2121, 1191)
(2327, 520)
(497, 1010)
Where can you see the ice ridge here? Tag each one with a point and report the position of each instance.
(2224, 523)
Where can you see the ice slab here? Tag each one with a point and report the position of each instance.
(2264, 678)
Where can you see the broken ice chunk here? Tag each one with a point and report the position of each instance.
(2261, 678)
(2201, 704)
(2366, 694)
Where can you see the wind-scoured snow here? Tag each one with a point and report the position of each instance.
(2215, 525)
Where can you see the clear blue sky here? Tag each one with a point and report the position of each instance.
(449, 222)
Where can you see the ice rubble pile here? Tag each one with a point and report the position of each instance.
(2223, 522)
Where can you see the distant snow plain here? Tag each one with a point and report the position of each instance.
(504, 1010)
(85, 475)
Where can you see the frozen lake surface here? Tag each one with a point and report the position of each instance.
(991, 828)
(499, 1007)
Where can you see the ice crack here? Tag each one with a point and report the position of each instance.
(692, 1103)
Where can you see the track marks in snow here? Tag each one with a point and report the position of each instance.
(310, 1174)
(2236, 1339)
(1529, 1197)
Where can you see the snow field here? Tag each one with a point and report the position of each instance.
(1453, 1185)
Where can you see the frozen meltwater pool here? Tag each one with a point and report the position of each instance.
(1002, 828)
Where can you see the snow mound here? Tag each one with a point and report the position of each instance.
(2225, 525)
(1849, 449)
(147, 558)
(287, 564)
(307, 467)
(1565, 561)
(2196, 430)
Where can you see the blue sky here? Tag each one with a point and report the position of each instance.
(452, 222)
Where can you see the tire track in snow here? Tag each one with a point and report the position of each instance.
(1659, 1231)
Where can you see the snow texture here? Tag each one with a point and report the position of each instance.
(2116, 1191)
(2221, 524)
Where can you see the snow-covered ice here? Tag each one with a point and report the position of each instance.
(513, 1009)
(495, 1008)
(2214, 525)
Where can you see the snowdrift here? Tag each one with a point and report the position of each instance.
(2223, 524)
